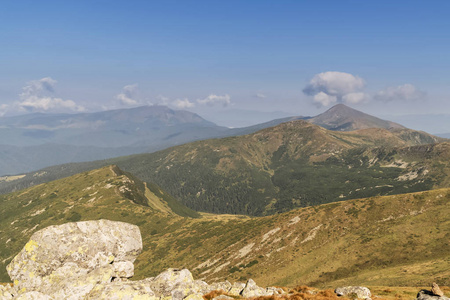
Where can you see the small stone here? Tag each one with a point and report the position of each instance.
(220, 286)
(123, 269)
(6, 295)
(201, 287)
(275, 291)
(175, 283)
(252, 290)
(436, 290)
(361, 291)
(236, 289)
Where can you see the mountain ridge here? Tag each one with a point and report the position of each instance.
(343, 118)
(294, 164)
(28, 139)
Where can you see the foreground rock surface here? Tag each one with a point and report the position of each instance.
(70, 259)
(94, 260)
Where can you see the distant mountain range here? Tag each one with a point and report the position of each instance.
(140, 126)
(31, 142)
(294, 164)
(34, 141)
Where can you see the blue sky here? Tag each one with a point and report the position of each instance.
(225, 58)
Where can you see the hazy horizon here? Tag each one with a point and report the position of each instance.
(261, 58)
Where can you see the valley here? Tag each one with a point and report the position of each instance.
(386, 240)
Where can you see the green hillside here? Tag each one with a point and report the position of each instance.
(385, 241)
(295, 164)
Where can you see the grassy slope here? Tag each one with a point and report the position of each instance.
(394, 240)
(295, 164)
(104, 193)
(387, 241)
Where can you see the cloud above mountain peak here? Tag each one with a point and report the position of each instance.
(331, 87)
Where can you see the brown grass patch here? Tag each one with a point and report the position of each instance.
(304, 293)
(302, 289)
(214, 294)
(5, 284)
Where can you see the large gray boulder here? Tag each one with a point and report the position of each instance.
(360, 291)
(68, 260)
(94, 260)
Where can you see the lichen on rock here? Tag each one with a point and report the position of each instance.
(94, 260)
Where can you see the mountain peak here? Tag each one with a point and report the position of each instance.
(343, 118)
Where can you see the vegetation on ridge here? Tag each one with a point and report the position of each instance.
(295, 164)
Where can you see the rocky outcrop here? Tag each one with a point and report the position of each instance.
(67, 261)
(360, 291)
(94, 260)
(435, 294)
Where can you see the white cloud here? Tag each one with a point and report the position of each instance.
(3, 109)
(324, 99)
(355, 98)
(178, 103)
(334, 83)
(212, 99)
(163, 100)
(331, 87)
(38, 87)
(34, 103)
(260, 95)
(129, 95)
(35, 97)
(406, 92)
(183, 103)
